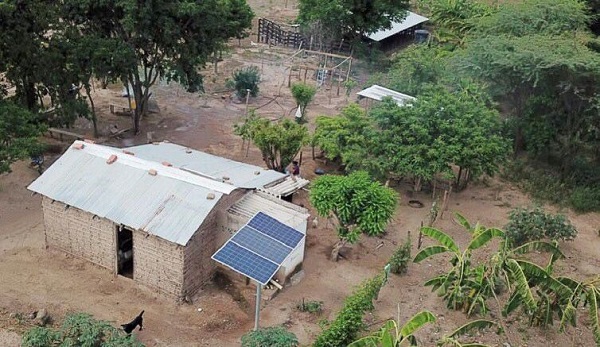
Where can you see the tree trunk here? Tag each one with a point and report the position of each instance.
(417, 187)
(94, 118)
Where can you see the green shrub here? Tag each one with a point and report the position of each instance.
(401, 258)
(245, 79)
(585, 199)
(534, 224)
(303, 94)
(79, 329)
(270, 337)
(310, 306)
(349, 322)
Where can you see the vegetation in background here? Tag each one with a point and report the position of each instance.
(18, 134)
(310, 306)
(534, 224)
(246, 79)
(271, 337)
(303, 94)
(279, 142)
(79, 329)
(360, 205)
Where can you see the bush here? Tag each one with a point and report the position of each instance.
(270, 337)
(349, 322)
(310, 306)
(303, 94)
(401, 258)
(79, 329)
(585, 199)
(534, 224)
(245, 79)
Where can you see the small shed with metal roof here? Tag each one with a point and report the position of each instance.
(148, 216)
(376, 92)
(399, 32)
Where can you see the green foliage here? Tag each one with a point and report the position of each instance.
(453, 19)
(18, 134)
(310, 306)
(360, 204)
(349, 321)
(246, 79)
(279, 142)
(534, 224)
(585, 199)
(440, 129)
(347, 17)
(452, 338)
(401, 258)
(303, 94)
(345, 137)
(270, 337)
(79, 329)
(392, 335)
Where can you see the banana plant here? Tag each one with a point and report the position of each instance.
(392, 335)
(452, 339)
(464, 287)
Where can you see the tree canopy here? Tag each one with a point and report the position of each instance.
(353, 18)
(18, 134)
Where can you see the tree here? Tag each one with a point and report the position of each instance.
(246, 81)
(271, 336)
(441, 128)
(18, 134)
(349, 321)
(303, 94)
(190, 31)
(345, 137)
(361, 205)
(79, 329)
(352, 18)
(279, 142)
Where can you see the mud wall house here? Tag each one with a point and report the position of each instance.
(149, 220)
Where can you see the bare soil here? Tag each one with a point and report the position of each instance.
(34, 277)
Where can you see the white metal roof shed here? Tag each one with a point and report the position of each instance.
(376, 92)
(171, 204)
(412, 19)
(240, 174)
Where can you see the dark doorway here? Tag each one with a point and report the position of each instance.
(125, 252)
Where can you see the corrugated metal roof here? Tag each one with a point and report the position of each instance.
(240, 174)
(286, 187)
(285, 212)
(378, 93)
(412, 19)
(171, 205)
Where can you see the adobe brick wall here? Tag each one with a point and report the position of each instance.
(158, 263)
(198, 267)
(77, 232)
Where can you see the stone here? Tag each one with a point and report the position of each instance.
(297, 277)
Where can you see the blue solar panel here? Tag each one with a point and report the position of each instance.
(261, 244)
(277, 230)
(246, 262)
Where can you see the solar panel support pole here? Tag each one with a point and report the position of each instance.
(257, 312)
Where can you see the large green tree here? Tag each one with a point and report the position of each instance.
(440, 129)
(351, 17)
(359, 204)
(165, 39)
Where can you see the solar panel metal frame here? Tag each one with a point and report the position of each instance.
(262, 219)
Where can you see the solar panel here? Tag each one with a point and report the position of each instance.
(261, 244)
(277, 230)
(246, 262)
(259, 248)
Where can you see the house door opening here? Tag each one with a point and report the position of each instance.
(125, 252)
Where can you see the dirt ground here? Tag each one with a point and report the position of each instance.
(34, 277)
